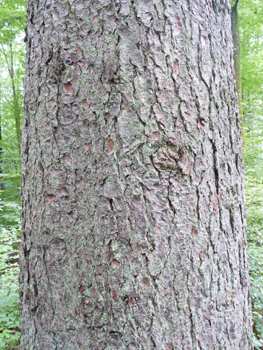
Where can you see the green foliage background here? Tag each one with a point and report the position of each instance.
(251, 48)
(12, 24)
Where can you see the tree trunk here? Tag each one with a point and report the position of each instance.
(1, 148)
(17, 112)
(133, 219)
(16, 109)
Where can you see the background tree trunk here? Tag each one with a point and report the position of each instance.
(16, 110)
(1, 149)
(237, 66)
(133, 219)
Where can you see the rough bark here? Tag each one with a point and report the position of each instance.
(133, 219)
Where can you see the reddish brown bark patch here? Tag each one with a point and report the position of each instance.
(169, 347)
(116, 263)
(81, 64)
(215, 203)
(160, 115)
(114, 295)
(81, 289)
(188, 169)
(187, 116)
(61, 298)
(110, 146)
(100, 269)
(178, 22)
(53, 102)
(51, 197)
(202, 256)
(159, 165)
(85, 105)
(95, 19)
(145, 282)
(68, 88)
(63, 191)
(176, 67)
(78, 50)
(195, 233)
(87, 146)
(199, 124)
(131, 303)
(108, 116)
(67, 160)
(156, 135)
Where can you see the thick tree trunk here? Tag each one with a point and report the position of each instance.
(133, 220)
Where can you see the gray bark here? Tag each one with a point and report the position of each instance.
(133, 219)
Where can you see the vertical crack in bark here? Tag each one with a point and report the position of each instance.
(198, 204)
(48, 283)
(168, 197)
(215, 168)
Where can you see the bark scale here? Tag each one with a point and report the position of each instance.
(133, 219)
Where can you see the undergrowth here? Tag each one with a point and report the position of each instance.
(253, 161)
(254, 196)
(9, 271)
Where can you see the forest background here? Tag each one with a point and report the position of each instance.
(12, 53)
